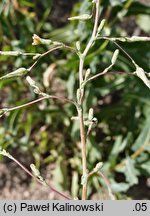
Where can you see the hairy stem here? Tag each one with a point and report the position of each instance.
(80, 109)
(83, 145)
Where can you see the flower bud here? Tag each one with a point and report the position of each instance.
(115, 56)
(87, 73)
(91, 114)
(78, 45)
(78, 94)
(98, 167)
(37, 40)
(36, 56)
(35, 170)
(101, 26)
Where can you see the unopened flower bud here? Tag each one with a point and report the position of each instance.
(91, 114)
(34, 170)
(115, 56)
(101, 26)
(98, 167)
(36, 40)
(78, 45)
(78, 94)
(87, 73)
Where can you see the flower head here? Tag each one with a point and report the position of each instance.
(36, 40)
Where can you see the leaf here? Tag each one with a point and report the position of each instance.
(127, 39)
(129, 171)
(141, 74)
(146, 167)
(119, 145)
(75, 185)
(143, 21)
(70, 85)
(119, 187)
(81, 17)
(10, 53)
(144, 137)
(116, 2)
(17, 73)
(60, 177)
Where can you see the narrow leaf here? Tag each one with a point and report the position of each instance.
(10, 53)
(17, 73)
(141, 74)
(81, 17)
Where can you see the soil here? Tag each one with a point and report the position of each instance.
(16, 184)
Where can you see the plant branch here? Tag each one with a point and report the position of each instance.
(112, 197)
(97, 171)
(44, 54)
(92, 39)
(34, 177)
(36, 101)
(17, 53)
(51, 50)
(108, 73)
(83, 146)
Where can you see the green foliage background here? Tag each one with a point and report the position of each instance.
(121, 102)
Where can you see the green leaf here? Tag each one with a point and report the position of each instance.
(17, 73)
(116, 2)
(119, 187)
(144, 137)
(129, 171)
(81, 17)
(75, 185)
(143, 21)
(141, 74)
(119, 145)
(60, 174)
(146, 167)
